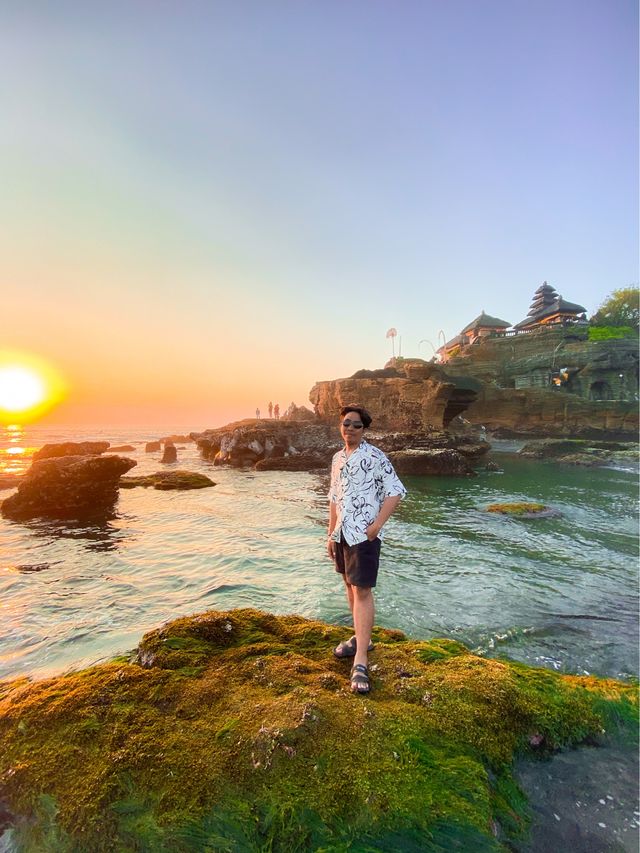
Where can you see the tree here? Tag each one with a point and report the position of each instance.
(620, 308)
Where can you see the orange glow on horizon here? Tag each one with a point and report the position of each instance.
(29, 387)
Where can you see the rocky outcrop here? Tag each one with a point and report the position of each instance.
(176, 439)
(587, 453)
(168, 481)
(244, 443)
(301, 446)
(410, 395)
(300, 462)
(236, 731)
(433, 462)
(122, 448)
(170, 453)
(299, 414)
(68, 487)
(71, 448)
(152, 447)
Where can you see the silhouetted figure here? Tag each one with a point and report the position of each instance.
(276, 412)
(270, 409)
(258, 414)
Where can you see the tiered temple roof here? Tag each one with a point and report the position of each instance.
(546, 304)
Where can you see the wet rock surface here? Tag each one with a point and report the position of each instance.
(270, 445)
(433, 462)
(582, 452)
(244, 443)
(68, 487)
(168, 481)
(170, 454)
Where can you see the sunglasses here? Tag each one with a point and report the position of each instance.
(354, 424)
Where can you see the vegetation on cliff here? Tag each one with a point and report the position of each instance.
(620, 308)
(235, 731)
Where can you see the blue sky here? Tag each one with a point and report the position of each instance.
(210, 205)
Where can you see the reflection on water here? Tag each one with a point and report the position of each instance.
(104, 535)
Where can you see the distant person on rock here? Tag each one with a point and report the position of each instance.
(270, 409)
(276, 412)
(364, 491)
(258, 414)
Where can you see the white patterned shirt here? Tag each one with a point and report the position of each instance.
(359, 486)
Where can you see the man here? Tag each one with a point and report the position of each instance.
(364, 491)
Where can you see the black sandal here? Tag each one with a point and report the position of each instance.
(347, 648)
(360, 682)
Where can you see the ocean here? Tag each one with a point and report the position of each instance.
(557, 592)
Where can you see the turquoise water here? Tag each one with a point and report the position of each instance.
(560, 593)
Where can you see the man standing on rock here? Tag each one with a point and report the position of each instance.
(364, 491)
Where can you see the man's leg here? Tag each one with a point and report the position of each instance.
(363, 616)
(349, 591)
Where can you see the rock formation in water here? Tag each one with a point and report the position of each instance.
(244, 443)
(582, 452)
(168, 481)
(170, 453)
(271, 445)
(236, 731)
(152, 446)
(68, 487)
(122, 448)
(410, 396)
(71, 448)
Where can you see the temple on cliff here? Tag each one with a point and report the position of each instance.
(547, 309)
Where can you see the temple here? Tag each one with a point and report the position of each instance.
(547, 309)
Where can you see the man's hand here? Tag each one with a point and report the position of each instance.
(372, 531)
(331, 549)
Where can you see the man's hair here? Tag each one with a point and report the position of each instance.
(365, 417)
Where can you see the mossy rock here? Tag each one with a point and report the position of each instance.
(236, 731)
(524, 510)
(168, 480)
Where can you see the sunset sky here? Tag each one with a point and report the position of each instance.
(208, 205)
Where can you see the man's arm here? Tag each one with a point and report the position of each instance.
(388, 507)
(333, 517)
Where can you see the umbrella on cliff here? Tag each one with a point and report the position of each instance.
(392, 334)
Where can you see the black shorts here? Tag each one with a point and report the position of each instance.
(358, 563)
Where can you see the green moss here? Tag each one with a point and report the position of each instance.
(517, 508)
(236, 731)
(168, 480)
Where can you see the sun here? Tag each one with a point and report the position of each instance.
(20, 389)
(28, 387)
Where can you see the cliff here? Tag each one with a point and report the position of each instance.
(409, 396)
(552, 382)
(236, 731)
(549, 382)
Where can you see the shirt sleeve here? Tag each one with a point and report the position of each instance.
(389, 484)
